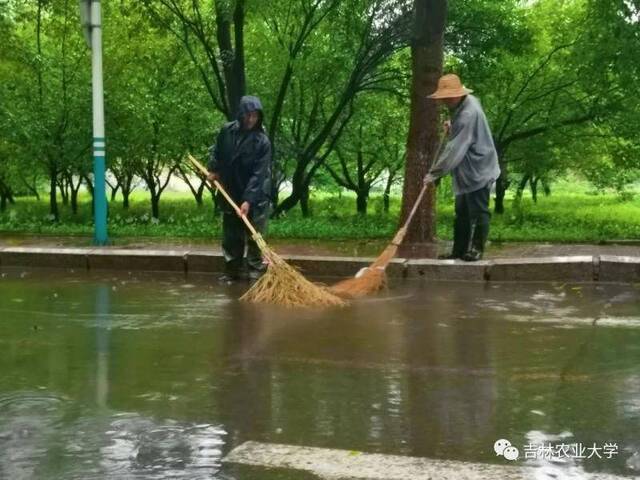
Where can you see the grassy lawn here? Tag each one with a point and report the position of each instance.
(570, 214)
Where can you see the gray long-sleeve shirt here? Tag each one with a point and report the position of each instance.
(469, 154)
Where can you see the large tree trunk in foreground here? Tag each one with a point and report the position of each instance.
(427, 56)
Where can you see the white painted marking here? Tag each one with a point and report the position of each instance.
(344, 464)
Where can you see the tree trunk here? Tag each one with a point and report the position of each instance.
(5, 196)
(89, 184)
(297, 188)
(304, 201)
(534, 188)
(74, 201)
(287, 204)
(198, 194)
(522, 185)
(426, 58)
(126, 190)
(502, 184)
(196, 191)
(386, 196)
(275, 185)
(546, 188)
(232, 56)
(64, 192)
(217, 209)
(31, 186)
(155, 205)
(362, 197)
(114, 192)
(53, 197)
(501, 189)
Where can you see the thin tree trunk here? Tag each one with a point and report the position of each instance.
(89, 184)
(73, 192)
(386, 196)
(126, 189)
(502, 184)
(534, 188)
(362, 197)
(155, 205)
(114, 191)
(31, 187)
(304, 201)
(296, 188)
(501, 190)
(385, 202)
(232, 55)
(64, 191)
(5, 195)
(522, 185)
(195, 191)
(74, 201)
(53, 197)
(199, 194)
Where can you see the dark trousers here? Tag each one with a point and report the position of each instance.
(471, 224)
(235, 237)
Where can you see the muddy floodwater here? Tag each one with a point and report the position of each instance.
(149, 376)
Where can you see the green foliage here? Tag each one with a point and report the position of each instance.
(572, 214)
(557, 79)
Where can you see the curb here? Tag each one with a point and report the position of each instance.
(600, 268)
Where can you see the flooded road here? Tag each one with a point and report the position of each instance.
(147, 376)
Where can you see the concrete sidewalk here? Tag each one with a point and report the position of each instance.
(332, 248)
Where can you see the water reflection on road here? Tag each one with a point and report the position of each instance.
(137, 376)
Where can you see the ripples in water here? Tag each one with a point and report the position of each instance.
(39, 431)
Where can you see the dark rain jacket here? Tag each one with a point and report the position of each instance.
(242, 159)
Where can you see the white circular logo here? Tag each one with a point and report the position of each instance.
(511, 453)
(500, 445)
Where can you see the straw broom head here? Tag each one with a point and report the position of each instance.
(370, 280)
(283, 285)
(373, 278)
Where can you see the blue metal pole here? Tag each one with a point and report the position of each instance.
(99, 145)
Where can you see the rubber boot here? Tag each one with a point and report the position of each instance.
(461, 236)
(478, 241)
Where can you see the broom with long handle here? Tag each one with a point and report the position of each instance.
(373, 278)
(281, 284)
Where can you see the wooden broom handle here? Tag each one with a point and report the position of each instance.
(224, 193)
(421, 194)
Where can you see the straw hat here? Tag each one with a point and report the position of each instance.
(450, 86)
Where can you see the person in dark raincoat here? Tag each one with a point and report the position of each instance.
(471, 158)
(241, 161)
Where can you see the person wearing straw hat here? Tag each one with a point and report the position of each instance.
(471, 158)
(241, 161)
